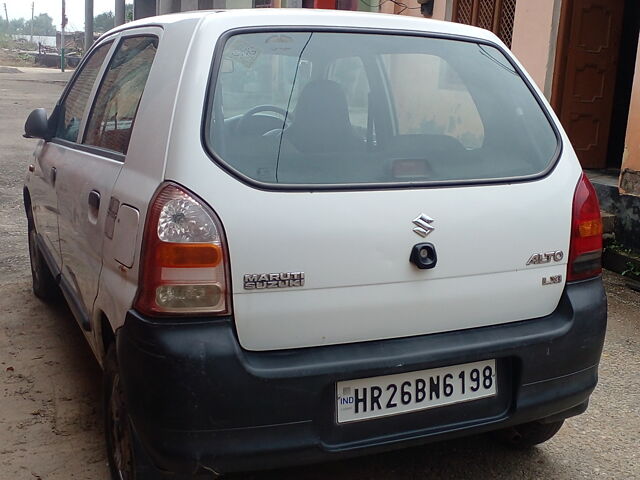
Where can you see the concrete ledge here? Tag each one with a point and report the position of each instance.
(608, 222)
(53, 60)
(626, 208)
(630, 181)
(625, 263)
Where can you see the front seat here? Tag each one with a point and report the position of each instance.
(321, 120)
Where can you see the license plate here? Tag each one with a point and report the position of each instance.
(408, 392)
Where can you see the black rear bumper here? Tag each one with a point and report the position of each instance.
(196, 398)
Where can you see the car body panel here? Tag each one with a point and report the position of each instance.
(354, 245)
(370, 241)
(44, 201)
(82, 227)
(143, 169)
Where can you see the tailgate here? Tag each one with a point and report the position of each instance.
(353, 249)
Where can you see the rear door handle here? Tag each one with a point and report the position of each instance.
(94, 206)
(94, 200)
(54, 175)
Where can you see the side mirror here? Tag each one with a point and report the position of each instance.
(37, 125)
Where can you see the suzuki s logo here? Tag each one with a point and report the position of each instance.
(423, 225)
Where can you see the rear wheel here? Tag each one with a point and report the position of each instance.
(44, 284)
(528, 434)
(126, 460)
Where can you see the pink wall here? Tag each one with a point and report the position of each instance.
(630, 177)
(535, 32)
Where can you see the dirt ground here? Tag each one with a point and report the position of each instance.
(50, 413)
(10, 57)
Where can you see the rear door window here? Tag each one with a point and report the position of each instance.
(73, 106)
(116, 103)
(332, 109)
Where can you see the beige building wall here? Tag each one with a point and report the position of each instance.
(630, 177)
(535, 34)
(442, 9)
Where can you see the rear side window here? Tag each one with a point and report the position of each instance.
(74, 104)
(331, 109)
(114, 110)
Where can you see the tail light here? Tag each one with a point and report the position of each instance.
(585, 253)
(184, 257)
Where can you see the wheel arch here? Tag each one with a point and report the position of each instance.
(26, 196)
(105, 335)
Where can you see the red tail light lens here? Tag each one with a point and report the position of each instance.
(184, 268)
(585, 253)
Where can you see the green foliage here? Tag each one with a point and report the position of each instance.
(633, 265)
(5, 28)
(106, 21)
(42, 25)
(614, 246)
(16, 25)
(5, 40)
(632, 270)
(103, 22)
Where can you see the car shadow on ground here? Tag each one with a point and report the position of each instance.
(477, 457)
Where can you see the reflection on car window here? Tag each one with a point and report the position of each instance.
(443, 106)
(350, 74)
(116, 104)
(261, 76)
(346, 108)
(72, 109)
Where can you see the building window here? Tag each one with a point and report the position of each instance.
(494, 15)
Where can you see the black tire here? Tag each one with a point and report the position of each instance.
(528, 435)
(126, 459)
(44, 284)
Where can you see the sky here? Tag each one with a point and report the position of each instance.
(74, 8)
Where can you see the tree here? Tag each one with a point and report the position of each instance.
(106, 21)
(42, 25)
(103, 22)
(16, 25)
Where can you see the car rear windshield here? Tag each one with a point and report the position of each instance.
(329, 108)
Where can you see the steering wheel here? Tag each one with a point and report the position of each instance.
(246, 118)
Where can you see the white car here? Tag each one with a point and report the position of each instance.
(292, 236)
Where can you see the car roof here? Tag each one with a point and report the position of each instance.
(305, 17)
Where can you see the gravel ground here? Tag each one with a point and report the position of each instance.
(50, 421)
(20, 93)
